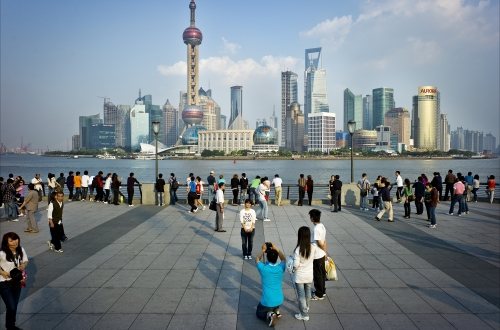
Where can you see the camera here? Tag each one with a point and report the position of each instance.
(269, 246)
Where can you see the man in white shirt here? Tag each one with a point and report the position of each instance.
(277, 182)
(219, 214)
(399, 184)
(38, 185)
(319, 239)
(85, 184)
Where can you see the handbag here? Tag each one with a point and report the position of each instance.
(411, 198)
(213, 205)
(331, 269)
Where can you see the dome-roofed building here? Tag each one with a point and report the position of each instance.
(265, 139)
(190, 135)
(265, 135)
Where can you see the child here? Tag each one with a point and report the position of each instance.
(247, 219)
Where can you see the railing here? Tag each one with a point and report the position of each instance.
(320, 192)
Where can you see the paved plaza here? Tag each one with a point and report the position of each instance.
(151, 267)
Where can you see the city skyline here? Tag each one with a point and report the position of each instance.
(58, 58)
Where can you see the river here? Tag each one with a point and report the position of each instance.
(289, 170)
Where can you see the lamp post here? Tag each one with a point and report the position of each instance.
(351, 126)
(156, 130)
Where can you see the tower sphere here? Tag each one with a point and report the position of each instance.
(192, 115)
(192, 36)
(190, 135)
(265, 135)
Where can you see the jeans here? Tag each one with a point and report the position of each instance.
(173, 196)
(309, 195)
(263, 209)
(474, 194)
(304, 295)
(211, 193)
(160, 198)
(235, 196)
(302, 192)
(85, 191)
(363, 201)
(78, 193)
(243, 195)
(419, 204)
(398, 193)
(262, 311)
(130, 193)
(428, 209)
(11, 210)
(432, 212)
(456, 199)
(56, 234)
(465, 206)
(407, 206)
(10, 295)
(252, 194)
(319, 273)
(247, 242)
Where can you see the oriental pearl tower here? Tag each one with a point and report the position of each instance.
(192, 114)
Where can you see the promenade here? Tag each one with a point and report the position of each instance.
(151, 267)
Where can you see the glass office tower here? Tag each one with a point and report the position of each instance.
(383, 101)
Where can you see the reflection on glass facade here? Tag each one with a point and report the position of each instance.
(383, 101)
(190, 135)
(353, 109)
(315, 92)
(364, 139)
(236, 119)
(265, 135)
(426, 118)
(139, 126)
(289, 95)
(102, 136)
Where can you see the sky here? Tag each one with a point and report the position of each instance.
(59, 58)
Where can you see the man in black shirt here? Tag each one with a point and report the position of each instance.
(337, 190)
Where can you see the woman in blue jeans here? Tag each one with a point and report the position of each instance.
(12, 256)
(303, 257)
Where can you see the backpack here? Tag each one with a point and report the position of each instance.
(175, 184)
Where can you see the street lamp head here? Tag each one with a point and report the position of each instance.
(351, 126)
(156, 127)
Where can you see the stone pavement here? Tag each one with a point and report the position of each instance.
(152, 267)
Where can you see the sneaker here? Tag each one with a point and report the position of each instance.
(34, 231)
(51, 246)
(267, 220)
(377, 218)
(245, 257)
(459, 215)
(450, 213)
(432, 226)
(105, 202)
(27, 230)
(273, 318)
(315, 297)
(15, 220)
(301, 317)
(367, 209)
(196, 210)
(203, 208)
(466, 212)
(59, 251)
(250, 258)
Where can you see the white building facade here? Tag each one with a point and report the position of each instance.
(225, 140)
(321, 132)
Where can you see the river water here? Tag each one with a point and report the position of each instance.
(289, 170)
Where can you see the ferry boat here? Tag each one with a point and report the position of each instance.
(148, 156)
(106, 156)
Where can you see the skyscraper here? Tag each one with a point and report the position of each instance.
(383, 101)
(426, 116)
(170, 116)
(236, 118)
(398, 119)
(273, 120)
(315, 92)
(444, 131)
(211, 110)
(321, 135)
(353, 109)
(294, 128)
(289, 95)
(367, 112)
(139, 125)
(84, 124)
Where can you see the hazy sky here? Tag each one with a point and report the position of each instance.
(59, 56)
